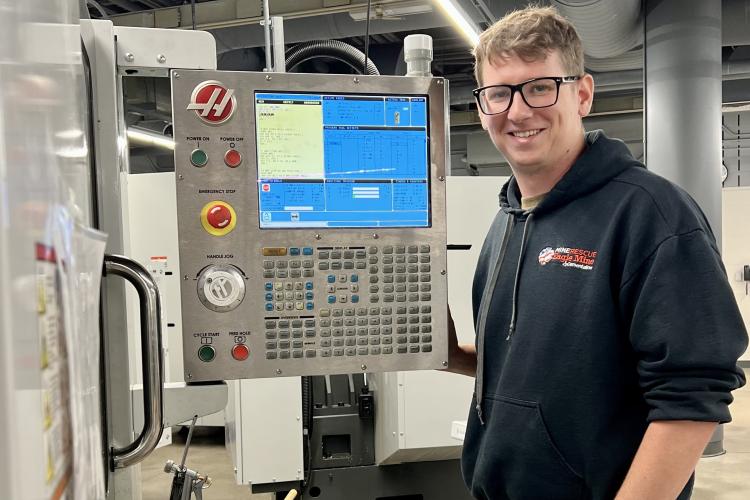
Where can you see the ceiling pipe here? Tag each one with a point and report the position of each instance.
(608, 28)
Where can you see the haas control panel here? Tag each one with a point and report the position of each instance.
(311, 214)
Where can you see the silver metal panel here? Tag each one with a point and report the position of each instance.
(243, 246)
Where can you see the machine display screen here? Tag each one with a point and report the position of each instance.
(342, 160)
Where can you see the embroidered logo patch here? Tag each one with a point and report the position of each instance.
(568, 257)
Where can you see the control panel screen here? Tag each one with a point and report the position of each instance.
(342, 160)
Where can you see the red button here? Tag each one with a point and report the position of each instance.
(240, 352)
(219, 216)
(232, 158)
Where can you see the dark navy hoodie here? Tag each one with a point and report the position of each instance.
(604, 308)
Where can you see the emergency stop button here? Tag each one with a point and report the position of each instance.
(232, 158)
(240, 352)
(218, 218)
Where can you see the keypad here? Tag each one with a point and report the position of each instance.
(373, 300)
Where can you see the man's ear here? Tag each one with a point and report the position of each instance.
(482, 118)
(585, 95)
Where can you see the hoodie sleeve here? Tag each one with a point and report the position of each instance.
(686, 330)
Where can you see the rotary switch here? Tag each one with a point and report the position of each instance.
(221, 287)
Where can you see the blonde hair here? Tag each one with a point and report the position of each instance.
(530, 34)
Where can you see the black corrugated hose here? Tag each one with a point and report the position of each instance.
(334, 49)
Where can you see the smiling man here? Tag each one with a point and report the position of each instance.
(607, 336)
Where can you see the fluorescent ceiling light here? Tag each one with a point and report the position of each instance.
(148, 138)
(462, 21)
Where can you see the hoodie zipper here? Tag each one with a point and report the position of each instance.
(486, 299)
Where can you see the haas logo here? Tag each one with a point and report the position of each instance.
(213, 102)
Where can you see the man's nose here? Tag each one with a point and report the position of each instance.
(519, 110)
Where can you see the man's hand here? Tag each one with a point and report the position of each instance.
(462, 358)
(665, 459)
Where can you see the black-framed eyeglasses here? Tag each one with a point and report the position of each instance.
(536, 93)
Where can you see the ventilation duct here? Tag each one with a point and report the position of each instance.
(608, 28)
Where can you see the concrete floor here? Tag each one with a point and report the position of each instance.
(726, 477)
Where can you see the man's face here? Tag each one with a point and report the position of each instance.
(555, 131)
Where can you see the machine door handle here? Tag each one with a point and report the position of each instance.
(151, 349)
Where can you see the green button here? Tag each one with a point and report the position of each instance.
(199, 158)
(206, 353)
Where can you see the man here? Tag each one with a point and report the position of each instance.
(607, 334)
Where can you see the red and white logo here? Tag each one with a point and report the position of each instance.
(546, 255)
(213, 102)
(266, 188)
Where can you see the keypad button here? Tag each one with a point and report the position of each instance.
(269, 274)
(338, 342)
(297, 344)
(348, 254)
(350, 321)
(427, 348)
(343, 299)
(388, 350)
(271, 324)
(282, 264)
(325, 332)
(294, 251)
(402, 339)
(337, 322)
(375, 350)
(425, 278)
(424, 259)
(387, 340)
(387, 320)
(361, 311)
(268, 264)
(426, 297)
(324, 313)
(296, 354)
(323, 254)
(350, 331)
(401, 310)
(400, 259)
(271, 344)
(413, 287)
(401, 297)
(424, 248)
(336, 266)
(362, 341)
(427, 338)
(307, 251)
(388, 298)
(295, 273)
(354, 288)
(349, 311)
(348, 264)
(388, 269)
(413, 268)
(336, 254)
(269, 286)
(355, 299)
(283, 334)
(297, 334)
(374, 299)
(388, 259)
(426, 328)
(269, 306)
(414, 309)
(413, 259)
(402, 349)
(414, 339)
(310, 353)
(372, 250)
(309, 333)
(360, 254)
(413, 349)
(374, 340)
(360, 265)
(295, 264)
(354, 278)
(270, 334)
(284, 354)
(331, 299)
(373, 269)
(413, 328)
(401, 329)
(350, 351)
(283, 344)
(362, 351)
(278, 286)
(386, 330)
(374, 279)
(425, 287)
(325, 353)
(271, 355)
(401, 320)
(401, 278)
(350, 341)
(338, 352)
(337, 313)
(426, 318)
(362, 331)
(374, 321)
(374, 330)
(413, 278)
(323, 266)
(338, 332)
(413, 297)
(374, 288)
(297, 323)
(342, 278)
(400, 249)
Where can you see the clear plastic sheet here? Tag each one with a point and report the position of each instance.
(80, 256)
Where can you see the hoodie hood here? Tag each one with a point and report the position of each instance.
(602, 160)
